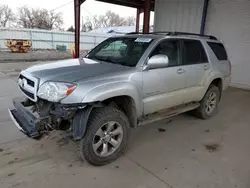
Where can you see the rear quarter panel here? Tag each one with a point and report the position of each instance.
(215, 69)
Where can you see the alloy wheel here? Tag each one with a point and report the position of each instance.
(211, 103)
(107, 139)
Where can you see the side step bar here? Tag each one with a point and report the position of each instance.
(168, 113)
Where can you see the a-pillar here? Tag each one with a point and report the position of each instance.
(146, 19)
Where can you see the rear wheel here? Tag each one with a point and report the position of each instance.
(209, 103)
(107, 136)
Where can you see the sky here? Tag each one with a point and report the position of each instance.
(88, 8)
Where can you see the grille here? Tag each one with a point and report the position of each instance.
(29, 82)
(30, 95)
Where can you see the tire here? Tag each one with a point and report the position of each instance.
(99, 122)
(202, 111)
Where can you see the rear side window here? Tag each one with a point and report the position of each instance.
(194, 52)
(218, 50)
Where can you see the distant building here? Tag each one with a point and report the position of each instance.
(118, 29)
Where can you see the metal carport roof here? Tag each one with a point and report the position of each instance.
(141, 5)
(129, 3)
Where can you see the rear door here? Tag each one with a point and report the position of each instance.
(197, 68)
(223, 64)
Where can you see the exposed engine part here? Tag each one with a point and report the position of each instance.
(64, 125)
(33, 109)
(27, 102)
(49, 127)
(43, 107)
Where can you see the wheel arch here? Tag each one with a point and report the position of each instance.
(218, 82)
(126, 104)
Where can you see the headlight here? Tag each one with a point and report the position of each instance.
(55, 91)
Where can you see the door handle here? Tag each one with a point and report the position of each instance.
(206, 67)
(180, 71)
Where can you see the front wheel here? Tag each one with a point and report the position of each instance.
(209, 103)
(107, 136)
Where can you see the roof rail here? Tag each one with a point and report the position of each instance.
(176, 33)
(134, 33)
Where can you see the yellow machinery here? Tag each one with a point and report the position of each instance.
(18, 45)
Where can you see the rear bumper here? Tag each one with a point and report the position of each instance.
(26, 121)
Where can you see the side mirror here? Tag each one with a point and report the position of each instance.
(157, 61)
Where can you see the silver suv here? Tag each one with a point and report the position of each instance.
(122, 83)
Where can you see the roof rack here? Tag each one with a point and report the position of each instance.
(176, 33)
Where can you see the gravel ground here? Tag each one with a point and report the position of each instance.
(13, 69)
(42, 55)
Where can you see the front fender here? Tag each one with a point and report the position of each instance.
(115, 89)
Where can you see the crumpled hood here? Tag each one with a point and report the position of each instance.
(74, 70)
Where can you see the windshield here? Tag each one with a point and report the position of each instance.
(123, 51)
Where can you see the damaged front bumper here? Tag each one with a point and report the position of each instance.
(34, 125)
(26, 121)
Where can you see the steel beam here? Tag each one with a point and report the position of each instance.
(77, 27)
(137, 26)
(146, 19)
(204, 16)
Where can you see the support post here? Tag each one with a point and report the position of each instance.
(77, 27)
(52, 40)
(31, 38)
(204, 17)
(137, 27)
(146, 19)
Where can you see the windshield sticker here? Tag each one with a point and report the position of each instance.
(142, 39)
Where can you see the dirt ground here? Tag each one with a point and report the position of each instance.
(39, 55)
(181, 152)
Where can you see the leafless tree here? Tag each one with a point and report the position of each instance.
(109, 19)
(130, 21)
(71, 29)
(91, 23)
(6, 15)
(25, 17)
(39, 18)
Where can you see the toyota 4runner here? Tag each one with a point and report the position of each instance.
(124, 82)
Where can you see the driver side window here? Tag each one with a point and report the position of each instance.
(169, 48)
(113, 49)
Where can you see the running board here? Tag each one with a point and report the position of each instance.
(167, 113)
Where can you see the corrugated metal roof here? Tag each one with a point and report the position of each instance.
(128, 3)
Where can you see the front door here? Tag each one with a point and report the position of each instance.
(164, 87)
(197, 68)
